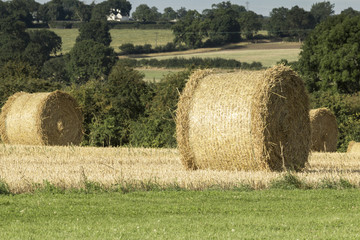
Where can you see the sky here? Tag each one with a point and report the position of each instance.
(262, 7)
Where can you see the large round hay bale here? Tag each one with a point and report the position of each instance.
(354, 147)
(41, 119)
(324, 130)
(249, 120)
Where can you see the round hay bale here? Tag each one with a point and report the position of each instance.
(41, 119)
(249, 120)
(354, 147)
(324, 130)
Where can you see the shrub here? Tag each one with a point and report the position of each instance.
(157, 127)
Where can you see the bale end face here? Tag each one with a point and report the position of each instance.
(41, 119)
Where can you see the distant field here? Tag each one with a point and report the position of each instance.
(120, 36)
(155, 74)
(266, 53)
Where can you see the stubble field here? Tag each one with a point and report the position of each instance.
(24, 168)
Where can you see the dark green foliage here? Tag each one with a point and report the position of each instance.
(129, 48)
(144, 13)
(22, 10)
(190, 30)
(322, 10)
(97, 31)
(89, 59)
(330, 56)
(250, 23)
(110, 106)
(157, 127)
(34, 47)
(13, 40)
(20, 76)
(54, 70)
(43, 43)
(192, 62)
(101, 10)
(222, 25)
(293, 23)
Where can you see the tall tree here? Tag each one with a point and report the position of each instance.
(89, 60)
(300, 22)
(98, 31)
(13, 40)
(222, 24)
(330, 57)
(43, 43)
(144, 13)
(250, 23)
(322, 10)
(169, 14)
(190, 30)
(278, 24)
(101, 10)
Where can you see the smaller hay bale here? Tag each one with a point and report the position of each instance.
(324, 130)
(354, 147)
(50, 118)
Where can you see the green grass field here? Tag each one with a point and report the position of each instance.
(268, 57)
(267, 214)
(155, 74)
(120, 36)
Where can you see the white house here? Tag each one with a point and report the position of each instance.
(117, 17)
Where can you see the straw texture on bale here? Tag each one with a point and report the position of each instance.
(249, 120)
(41, 119)
(324, 130)
(354, 147)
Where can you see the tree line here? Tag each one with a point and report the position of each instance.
(121, 109)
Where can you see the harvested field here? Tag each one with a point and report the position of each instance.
(21, 167)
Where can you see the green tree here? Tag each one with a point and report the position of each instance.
(330, 56)
(278, 25)
(157, 127)
(89, 59)
(54, 70)
(190, 30)
(23, 10)
(250, 23)
(181, 12)
(18, 76)
(300, 22)
(110, 106)
(222, 24)
(322, 10)
(144, 13)
(43, 43)
(101, 10)
(97, 31)
(169, 14)
(13, 40)
(52, 11)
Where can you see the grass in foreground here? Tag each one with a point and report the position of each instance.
(267, 214)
